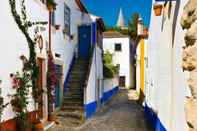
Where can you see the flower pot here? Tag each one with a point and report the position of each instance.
(39, 126)
(158, 9)
(51, 117)
(50, 7)
(57, 27)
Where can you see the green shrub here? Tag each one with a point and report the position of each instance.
(109, 70)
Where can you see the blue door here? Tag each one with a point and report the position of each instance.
(58, 85)
(84, 33)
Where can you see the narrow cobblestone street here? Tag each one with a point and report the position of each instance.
(121, 113)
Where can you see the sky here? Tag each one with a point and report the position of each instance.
(109, 9)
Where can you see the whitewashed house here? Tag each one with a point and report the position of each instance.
(119, 46)
(74, 37)
(166, 86)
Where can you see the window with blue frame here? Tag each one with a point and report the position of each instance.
(67, 14)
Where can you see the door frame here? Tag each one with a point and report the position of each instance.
(44, 83)
(60, 63)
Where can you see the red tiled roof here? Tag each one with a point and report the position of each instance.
(113, 34)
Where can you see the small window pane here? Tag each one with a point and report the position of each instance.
(118, 47)
(66, 19)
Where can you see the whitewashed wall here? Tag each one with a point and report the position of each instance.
(166, 82)
(122, 58)
(13, 45)
(96, 73)
(110, 84)
(61, 43)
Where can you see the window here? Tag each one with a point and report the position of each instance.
(66, 19)
(53, 18)
(118, 47)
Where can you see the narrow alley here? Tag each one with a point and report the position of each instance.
(121, 113)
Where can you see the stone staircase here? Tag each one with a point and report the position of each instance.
(73, 102)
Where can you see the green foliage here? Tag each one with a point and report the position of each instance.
(19, 100)
(109, 70)
(28, 78)
(132, 26)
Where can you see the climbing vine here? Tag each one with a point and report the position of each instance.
(29, 75)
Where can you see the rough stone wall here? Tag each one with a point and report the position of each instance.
(189, 22)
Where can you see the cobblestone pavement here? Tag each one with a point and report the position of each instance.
(121, 113)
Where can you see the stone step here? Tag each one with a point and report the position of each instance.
(73, 103)
(73, 97)
(75, 81)
(74, 93)
(76, 114)
(80, 67)
(76, 89)
(76, 99)
(71, 108)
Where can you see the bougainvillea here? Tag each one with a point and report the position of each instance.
(51, 81)
(29, 75)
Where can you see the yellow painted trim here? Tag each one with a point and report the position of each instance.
(142, 70)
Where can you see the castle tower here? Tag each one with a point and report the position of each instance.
(120, 22)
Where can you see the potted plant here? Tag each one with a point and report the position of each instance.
(57, 27)
(51, 5)
(157, 9)
(145, 33)
(38, 126)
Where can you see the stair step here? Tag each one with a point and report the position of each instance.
(75, 88)
(72, 103)
(71, 108)
(75, 101)
(75, 114)
(73, 97)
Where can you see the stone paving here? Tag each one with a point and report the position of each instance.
(121, 113)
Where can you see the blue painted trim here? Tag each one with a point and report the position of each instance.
(107, 95)
(68, 74)
(165, 0)
(153, 119)
(90, 109)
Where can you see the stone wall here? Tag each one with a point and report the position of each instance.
(189, 22)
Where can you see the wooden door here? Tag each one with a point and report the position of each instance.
(40, 63)
(58, 70)
(122, 81)
(84, 33)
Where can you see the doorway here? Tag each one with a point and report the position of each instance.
(122, 80)
(58, 85)
(84, 33)
(40, 64)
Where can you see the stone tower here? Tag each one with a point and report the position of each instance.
(120, 22)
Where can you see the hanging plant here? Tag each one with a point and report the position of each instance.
(51, 5)
(57, 27)
(157, 9)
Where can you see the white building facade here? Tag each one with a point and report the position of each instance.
(119, 46)
(65, 22)
(165, 81)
